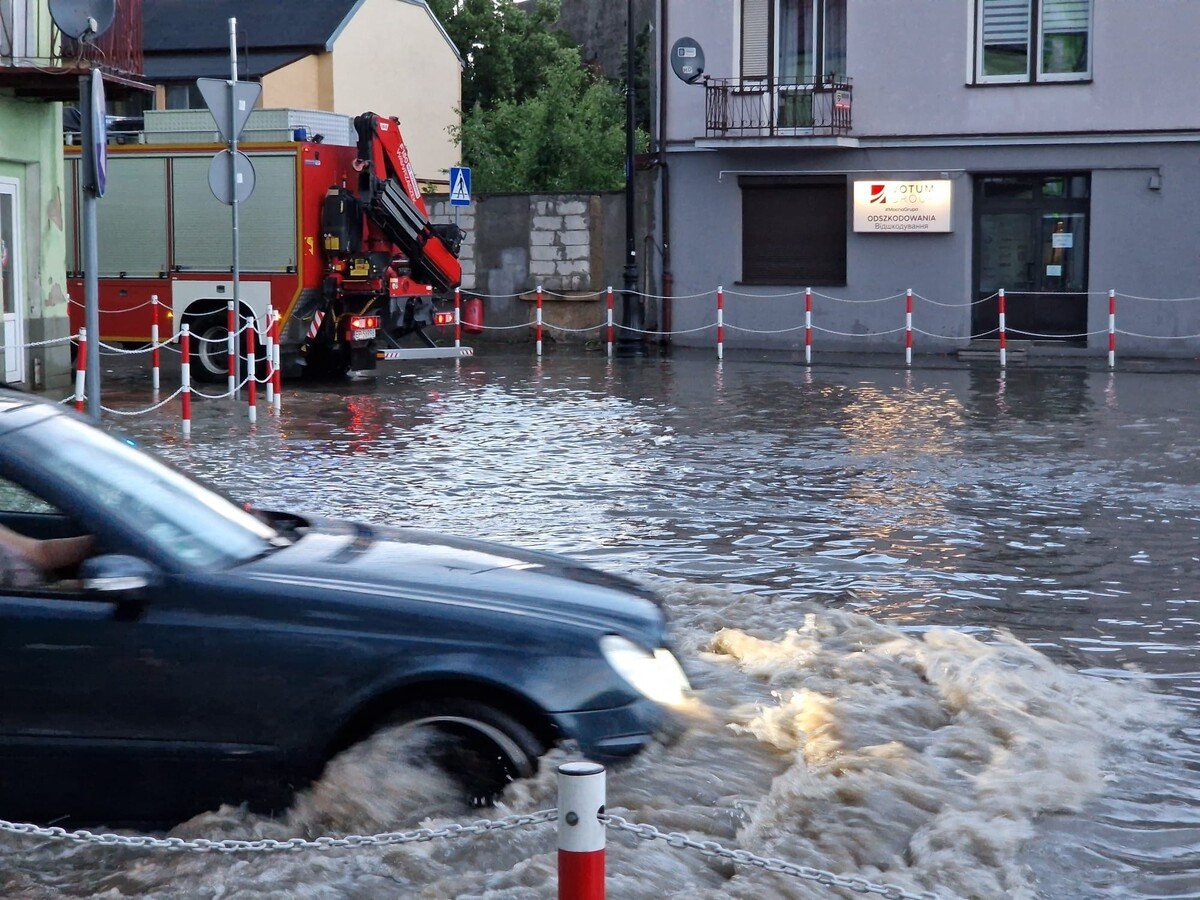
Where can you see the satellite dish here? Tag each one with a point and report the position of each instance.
(687, 60)
(82, 19)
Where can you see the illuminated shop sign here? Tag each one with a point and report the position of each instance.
(903, 207)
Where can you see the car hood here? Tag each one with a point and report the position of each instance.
(377, 564)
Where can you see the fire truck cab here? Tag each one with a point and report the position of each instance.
(336, 239)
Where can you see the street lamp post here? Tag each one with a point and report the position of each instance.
(632, 313)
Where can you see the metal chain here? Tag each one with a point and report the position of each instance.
(767, 864)
(203, 845)
(143, 412)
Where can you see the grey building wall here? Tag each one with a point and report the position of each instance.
(1143, 242)
(915, 116)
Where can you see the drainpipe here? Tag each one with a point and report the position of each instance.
(664, 178)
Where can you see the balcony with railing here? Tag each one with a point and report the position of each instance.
(777, 107)
(38, 60)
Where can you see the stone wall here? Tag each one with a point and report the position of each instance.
(573, 245)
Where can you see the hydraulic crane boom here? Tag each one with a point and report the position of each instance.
(391, 197)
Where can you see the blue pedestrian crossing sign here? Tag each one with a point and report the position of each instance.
(460, 186)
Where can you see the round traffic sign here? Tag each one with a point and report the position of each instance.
(222, 180)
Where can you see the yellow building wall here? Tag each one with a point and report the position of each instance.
(295, 86)
(392, 60)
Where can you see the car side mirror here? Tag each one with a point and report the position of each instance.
(121, 579)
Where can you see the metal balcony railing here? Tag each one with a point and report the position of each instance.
(33, 52)
(777, 107)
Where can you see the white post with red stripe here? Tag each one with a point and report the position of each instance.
(808, 326)
(1112, 329)
(155, 360)
(1003, 332)
(581, 799)
(231, 347)
(720, 322)
(276, 364)
(251, 373)
(185, 373)
(457, 318)
(908, 309)
(269, 355)
(80, 370)
(609, 321)
(539, 320)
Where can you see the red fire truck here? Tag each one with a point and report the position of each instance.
(336, 238)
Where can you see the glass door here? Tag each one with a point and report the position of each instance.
(1031, 239)
(11, 286)
(810, 45)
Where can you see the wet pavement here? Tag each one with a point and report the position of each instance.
(1020, 715)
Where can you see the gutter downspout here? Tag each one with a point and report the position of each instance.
(668, 278)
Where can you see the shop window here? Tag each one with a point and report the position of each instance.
(1020, 41)
(794, 231)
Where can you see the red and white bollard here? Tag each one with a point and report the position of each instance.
(808, 326)
(276, 365)
(457, 318)
(721, 322)
(581, 799)
(908, 328)
(80, 370)
(185, 371)
(251, 373)
(539, 320)
(155, 361)
(231, 347)
(1003, 333)
(609, 321)
(269, 356)
(1112, 329)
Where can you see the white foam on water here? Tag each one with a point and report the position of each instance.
(919, 758)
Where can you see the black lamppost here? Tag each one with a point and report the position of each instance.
(632, 313)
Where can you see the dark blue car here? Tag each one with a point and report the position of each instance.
(205, 654)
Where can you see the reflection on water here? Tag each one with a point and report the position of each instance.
(1058, 506)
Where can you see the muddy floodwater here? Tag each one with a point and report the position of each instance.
(944, 626)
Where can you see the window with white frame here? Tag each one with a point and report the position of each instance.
(1019, 41)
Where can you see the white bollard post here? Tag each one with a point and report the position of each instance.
(720, 322)
(231, 347)
(1003, 332)
(609, 321)
(277, 363)
(581, 838)
(808, 326)
(539, 320)
(185, 375)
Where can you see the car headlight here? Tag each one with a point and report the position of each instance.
(655, 675)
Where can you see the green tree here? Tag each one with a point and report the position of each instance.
(534, 117)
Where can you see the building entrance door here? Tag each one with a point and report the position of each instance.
(1031, 240)
(12, 294)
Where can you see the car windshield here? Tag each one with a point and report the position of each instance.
(187, 521)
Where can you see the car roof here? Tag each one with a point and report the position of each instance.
(19, 410)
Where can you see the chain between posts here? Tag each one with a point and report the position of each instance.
(202, 845)
(768, 864)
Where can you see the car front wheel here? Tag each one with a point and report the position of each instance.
(484, 748)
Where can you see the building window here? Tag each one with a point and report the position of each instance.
(794, 230)
(793, 41)
(184, 95)
(1020, 41)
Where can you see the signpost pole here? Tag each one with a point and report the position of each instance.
(233, 190)
(91, 261)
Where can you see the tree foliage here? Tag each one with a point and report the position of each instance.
(534, 117)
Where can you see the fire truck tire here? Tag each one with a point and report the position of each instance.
(210, 355)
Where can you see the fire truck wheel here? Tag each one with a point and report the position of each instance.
(210, 354)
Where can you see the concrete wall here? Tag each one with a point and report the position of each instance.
(1143, 242)
(571, 244)
(393, 59)
(911, 60)
(31, 152)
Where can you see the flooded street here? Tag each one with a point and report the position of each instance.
(944, 626)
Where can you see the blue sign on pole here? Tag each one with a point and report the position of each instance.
(460, 186)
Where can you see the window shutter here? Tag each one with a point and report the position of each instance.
(1006, 22)
(1066, 16)
(756, 30)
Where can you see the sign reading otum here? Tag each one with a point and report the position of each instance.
(903, 206)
